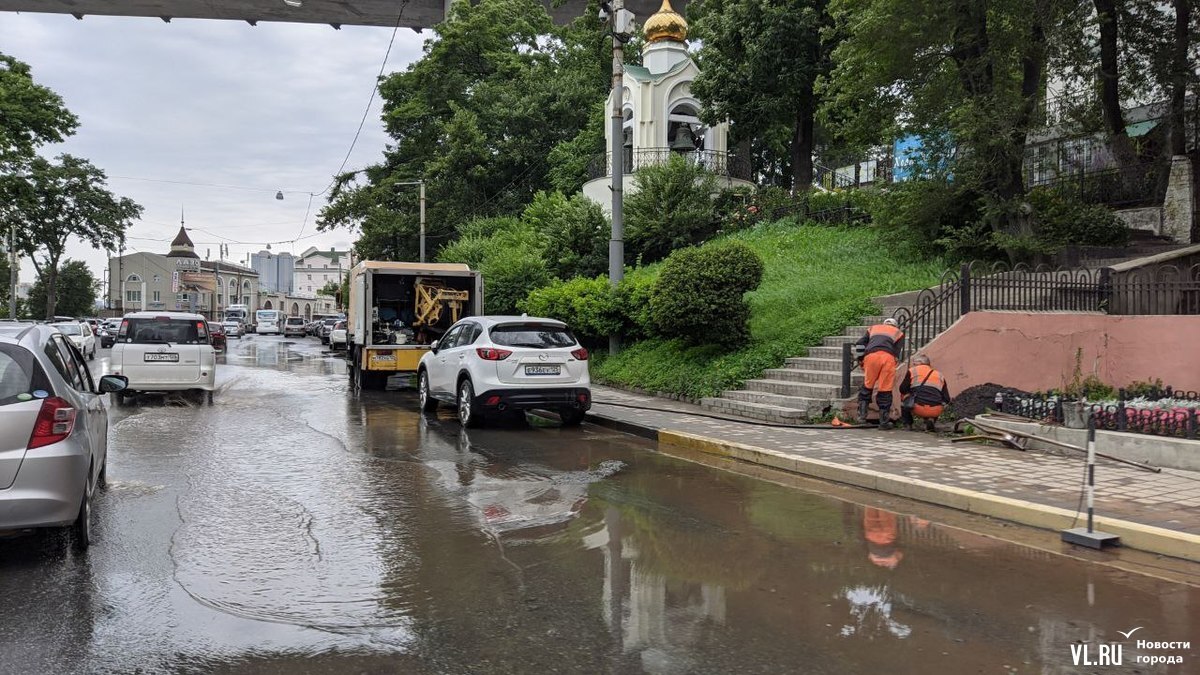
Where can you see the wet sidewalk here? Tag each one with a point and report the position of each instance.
(1158, 512)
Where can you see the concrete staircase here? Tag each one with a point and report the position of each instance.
(806, 386)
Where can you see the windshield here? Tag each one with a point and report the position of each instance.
(267, 315)
(533, 335)
(296, 321)
(68, 328)
(162, 329)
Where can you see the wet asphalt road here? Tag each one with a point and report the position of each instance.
(293, 527)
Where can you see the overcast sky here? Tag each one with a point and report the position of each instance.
(272, 107)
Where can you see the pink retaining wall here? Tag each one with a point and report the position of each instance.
(1037, 351)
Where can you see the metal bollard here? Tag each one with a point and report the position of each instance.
(1089, 536)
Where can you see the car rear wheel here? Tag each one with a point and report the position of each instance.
(571, 417)
(428, 402)
(468, 414)
(81, 530)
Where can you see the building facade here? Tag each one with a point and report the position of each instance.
(315, 268)
(275, 271)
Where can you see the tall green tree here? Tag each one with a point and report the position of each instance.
(498, 87)
(962, 73)
(75, 292)
(759, 63)
(31, 115)
(59, 200)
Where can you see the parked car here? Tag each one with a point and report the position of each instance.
(293, 326)
(496, 364)
(337, 336)
(53, 431)
(234, 328)
(216, 336)
(80, 333)
(165, 352)
(107, 332)
(324, 328)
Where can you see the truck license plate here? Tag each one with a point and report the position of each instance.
(541, 370)
(156, 356)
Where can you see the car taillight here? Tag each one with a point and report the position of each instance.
(55, 421)
(581, 354)
(492, 353)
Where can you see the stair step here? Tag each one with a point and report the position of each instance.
(811, 376)
(838, 340)
(786, 388)
(801, 407)
(758, 411)
(825, 352)
(855, 331)
(813, 363)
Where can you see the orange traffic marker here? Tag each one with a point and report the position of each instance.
(838, 423)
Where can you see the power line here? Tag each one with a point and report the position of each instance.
(370, 101)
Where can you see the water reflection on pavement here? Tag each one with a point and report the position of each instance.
(296, 527)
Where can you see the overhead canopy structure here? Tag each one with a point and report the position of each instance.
(337, 13)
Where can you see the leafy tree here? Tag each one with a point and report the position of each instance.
(965, 76)
(672, 208)
(475, 117)
(59, 200)
(76, 290)
(576, 233)
(5, 271)
(330, 288)
(31, 115)
(508, 252)
(759, 63)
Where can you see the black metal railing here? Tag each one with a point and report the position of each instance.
(715, 162)
(1157, 289)
(1166, 419)
(1128, 186)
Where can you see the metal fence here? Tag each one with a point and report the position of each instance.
(1160, 289)
(718, 163)
(1127, 186)
(1180, 421)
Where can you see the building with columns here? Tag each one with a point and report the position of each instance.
(661, 115)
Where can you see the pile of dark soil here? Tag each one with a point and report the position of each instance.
(977, 400)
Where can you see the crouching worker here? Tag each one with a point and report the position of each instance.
(925, 394)
(882, 346)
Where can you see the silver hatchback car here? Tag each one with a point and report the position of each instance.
(53, 431)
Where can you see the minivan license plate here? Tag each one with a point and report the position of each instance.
(541, 370)
(157, 356)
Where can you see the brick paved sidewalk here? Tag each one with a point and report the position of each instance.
(1169, 500)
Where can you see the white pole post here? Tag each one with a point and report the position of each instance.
(422, 225)
(616, 245)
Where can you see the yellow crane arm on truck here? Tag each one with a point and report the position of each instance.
(432, 297)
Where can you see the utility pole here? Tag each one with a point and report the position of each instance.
(421, 183)
(12, 272)
(621, 21)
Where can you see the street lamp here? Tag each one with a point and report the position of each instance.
(422, 184)
(622, 27)
(12, 272)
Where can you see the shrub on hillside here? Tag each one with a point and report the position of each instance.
(671, 209)
(508, 252)
(575, 233)
(936, 216)
(633, 297)
(1061, 219)
(586, 305)
(699, 294)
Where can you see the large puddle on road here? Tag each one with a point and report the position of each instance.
(294, 527)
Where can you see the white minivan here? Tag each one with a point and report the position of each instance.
(165, 352)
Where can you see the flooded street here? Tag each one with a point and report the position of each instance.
(293, 527)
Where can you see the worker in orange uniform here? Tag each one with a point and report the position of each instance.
(924, 393)
(881, 349)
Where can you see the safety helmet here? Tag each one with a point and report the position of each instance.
(889, 321)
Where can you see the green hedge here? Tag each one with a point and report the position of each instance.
(699, 294)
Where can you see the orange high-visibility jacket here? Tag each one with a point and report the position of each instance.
(882, 337)
(926, 384)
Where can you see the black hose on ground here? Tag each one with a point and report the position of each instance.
(734, 419)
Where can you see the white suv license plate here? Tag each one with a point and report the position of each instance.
(542, 370)
(161, 357)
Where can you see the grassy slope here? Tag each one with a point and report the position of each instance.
(818, 280)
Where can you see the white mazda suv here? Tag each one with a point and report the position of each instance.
(489, 365)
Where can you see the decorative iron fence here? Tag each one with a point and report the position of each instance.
(1171, 413)
(1161, 289)
(718, 163)
(1128, 186)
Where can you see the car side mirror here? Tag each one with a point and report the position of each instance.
(433, 346)
(112, 383)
